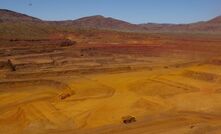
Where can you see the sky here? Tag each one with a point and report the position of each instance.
(133, 11)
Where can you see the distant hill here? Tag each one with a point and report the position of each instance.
(213, 25)
(216, 20)
(101, 22)
(18, 25)
(11, 16)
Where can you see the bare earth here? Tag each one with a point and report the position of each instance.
(171, 86)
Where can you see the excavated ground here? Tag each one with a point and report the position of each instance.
(80, 89)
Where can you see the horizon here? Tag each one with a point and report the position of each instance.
(112, 18)
(173, 12)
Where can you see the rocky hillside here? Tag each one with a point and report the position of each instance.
(18, 25)
(11, 16)
(101, 22)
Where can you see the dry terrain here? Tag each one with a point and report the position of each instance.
(171, 85)
(84, 76)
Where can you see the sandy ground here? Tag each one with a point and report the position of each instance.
(176, 91)
(163, 103)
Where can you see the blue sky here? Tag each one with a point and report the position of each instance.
(134, 11)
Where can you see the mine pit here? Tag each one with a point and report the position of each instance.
(62, 78)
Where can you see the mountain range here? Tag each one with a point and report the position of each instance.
(21, 23)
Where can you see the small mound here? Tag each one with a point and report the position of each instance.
(203, 76)
(29, 91)
(15, 119)
(147, 105)
(15, 116)
(151, 88)
(91, 90)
